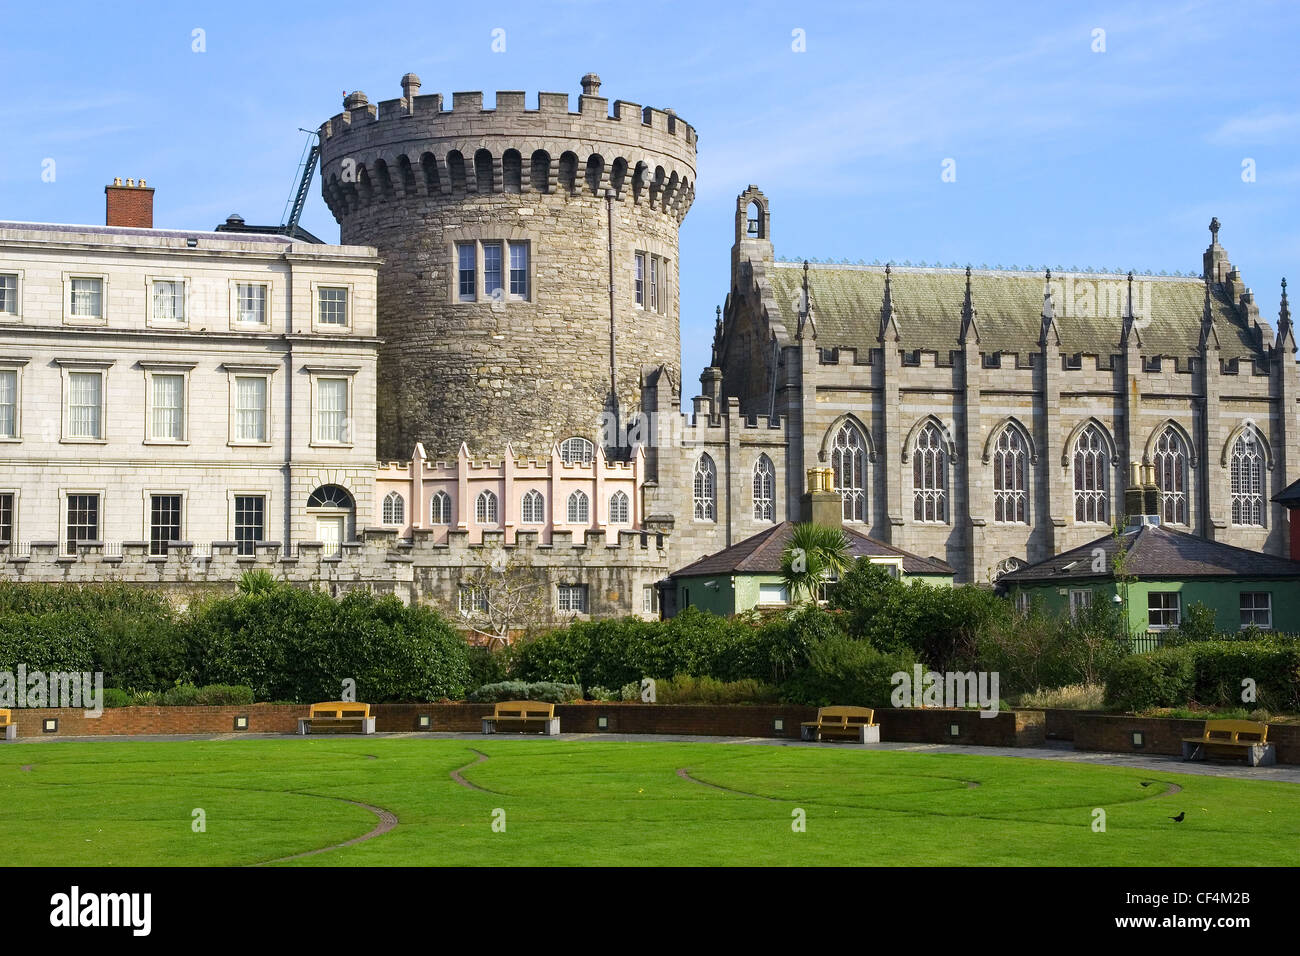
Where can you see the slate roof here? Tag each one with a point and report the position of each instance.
(927, 304)
(1156, 552)
(1290, 495)
(761, 554)
(136, 233)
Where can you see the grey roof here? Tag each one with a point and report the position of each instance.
(1290, 495)
(761, 554)
(927, 304)
(153, 233)
(1154, 551)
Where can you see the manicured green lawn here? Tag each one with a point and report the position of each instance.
(615, 803)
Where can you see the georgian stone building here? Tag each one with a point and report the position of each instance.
(990, 417)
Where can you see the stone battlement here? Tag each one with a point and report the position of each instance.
(413, 146)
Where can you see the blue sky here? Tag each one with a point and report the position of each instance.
(1063, 155)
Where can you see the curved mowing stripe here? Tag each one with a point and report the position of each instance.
(469, 784)
(387, 820)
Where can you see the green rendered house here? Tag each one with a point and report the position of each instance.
(1163, 573)
(748, 574)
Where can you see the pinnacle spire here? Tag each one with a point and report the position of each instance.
(887, 319)
(968, 314)
(1285, 329)
(1049, 314)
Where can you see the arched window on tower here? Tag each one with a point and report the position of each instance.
(929, 476)
(1010, 473)
(394, 509)
(1091, 498)
(764, 489)
(849, 462)
(1247, 481)
(705, 490)
(1170, 460)
(512, 171)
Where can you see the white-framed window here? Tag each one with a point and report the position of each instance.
(84, 301)
(1247, 473)
(1170, 460)
(571, 598)
(8, 404)
(332, 410)
(85, 408)
(705, 490)
(167, 301)
(9, 283)
(533, 507)
(1080, 601)
(1163, 609)
(493, 271)
(166, 406)
(519, 270)
(471, 600)
(579, 510)
(1091, 499)
(639, 269)
(930, 477)
(165, 512)
(8, 516)
(486, 509)
(81, 520)
(440, 508)
(332, 306)
(466, 271)
(849, 462)
(654, 283)
(764, 488)
(771, 595)
(648, 603)
(620, 510)
(251, 408)
(1257, 610)
(1010, 484)
(249, 522)
(251, 304)
(394, 509)
(577, 451)
(1023, 603)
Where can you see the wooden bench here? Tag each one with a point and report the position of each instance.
(1238, 738)
(337, 717)
(524, 716)
(8, 726)
(842, 723)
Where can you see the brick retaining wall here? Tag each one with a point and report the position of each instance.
(1164, 735)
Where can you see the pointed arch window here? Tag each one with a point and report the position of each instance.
(1010, 477)
(1170, 460)
(1091, 498)
(440, 508)
(929, 476)
(1247, 481)
(533, 508)
(706, 489)
(619, 509)
(579, 508)
(394, 508)
(764, 489)
(849, 462)
(486, 509)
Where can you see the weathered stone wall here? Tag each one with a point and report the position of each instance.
(415, 179)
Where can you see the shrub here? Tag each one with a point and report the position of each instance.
(1197, 624)
(603, 694)
(223, 695)
(1139, 682)
(1221, 667)
(488, 665)
(684, 689)
(525, 690)
(843, 670)
(116, 697)
(1070, 697)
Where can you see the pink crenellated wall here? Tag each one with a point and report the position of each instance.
(419, 479)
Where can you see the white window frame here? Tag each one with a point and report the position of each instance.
(321, 372)
(1080, 600)
(101, 509)
(456, 295)
(529, 515)
(492, 503)
(578, 508)
(236, 325)
(149, 494)
(930, 495)
(434, 497)
(527, 246)
(17, 314)
(14, 535)
(15, 365)
(233, 374)
(649, 604)
(68, 317)
(394, 517)
(152, 369)
(763, 489)
(565, 595)
(622, 514)
(782, 592)
(1242, 499)
(88, 366)
(586, 445)
(154, 321)
(330, 327)
(640, 278)
(1268, 608)
(471, 600)
(1177, 609)
(704, 489)
(234, 493)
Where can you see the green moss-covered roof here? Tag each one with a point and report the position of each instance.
(927, 304)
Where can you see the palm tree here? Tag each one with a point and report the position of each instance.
(815, 552)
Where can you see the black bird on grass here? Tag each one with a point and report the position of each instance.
(1179, 818)
(1146, 783)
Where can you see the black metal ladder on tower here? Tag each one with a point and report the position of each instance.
(308, 169)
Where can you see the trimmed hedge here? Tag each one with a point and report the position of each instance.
(1209, 673)
(548, 691)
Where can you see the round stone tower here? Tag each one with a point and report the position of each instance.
(530, 267)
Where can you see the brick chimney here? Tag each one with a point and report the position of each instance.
(129, 205)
